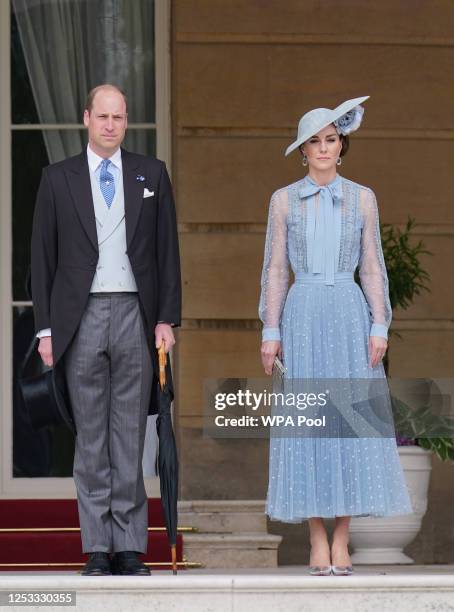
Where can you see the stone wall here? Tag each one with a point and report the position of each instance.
(244, 71)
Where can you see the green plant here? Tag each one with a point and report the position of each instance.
(442, 447)
(406, 276)
(422, 425)
(407, 279)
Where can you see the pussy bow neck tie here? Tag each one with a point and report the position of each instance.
(324, 238)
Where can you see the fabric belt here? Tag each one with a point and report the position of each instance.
(309, 278)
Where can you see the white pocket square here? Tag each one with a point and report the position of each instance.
(147, 194)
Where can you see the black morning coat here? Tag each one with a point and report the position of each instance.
(64, 253)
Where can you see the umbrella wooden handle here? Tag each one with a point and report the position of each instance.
(173, 550)
(162, 365)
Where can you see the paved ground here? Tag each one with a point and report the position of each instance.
(288, 570)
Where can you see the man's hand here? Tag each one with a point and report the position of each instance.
(45, 350)
(163, 333)
(377, 349)
(270, 348)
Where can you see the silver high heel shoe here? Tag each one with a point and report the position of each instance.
(342, 570)
(319, 570)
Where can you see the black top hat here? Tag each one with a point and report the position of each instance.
(40, 400)
(43, 391)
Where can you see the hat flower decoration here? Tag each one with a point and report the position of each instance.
(346, 117)
(350, 121)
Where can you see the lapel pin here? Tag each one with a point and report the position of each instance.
(140, 178)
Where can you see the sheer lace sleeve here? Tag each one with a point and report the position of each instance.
(372, 270)
(275, 272)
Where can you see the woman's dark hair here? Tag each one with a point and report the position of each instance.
(345, 144)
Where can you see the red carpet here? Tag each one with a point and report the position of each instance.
(60, 548)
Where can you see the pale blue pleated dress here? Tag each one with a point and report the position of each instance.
(323, 321)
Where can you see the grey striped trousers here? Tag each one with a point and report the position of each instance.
(109, 374)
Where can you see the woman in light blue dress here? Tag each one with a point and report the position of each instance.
(325, 326)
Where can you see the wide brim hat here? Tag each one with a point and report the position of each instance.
(315, 120)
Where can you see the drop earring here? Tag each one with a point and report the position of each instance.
(339, 161)
(304, 160)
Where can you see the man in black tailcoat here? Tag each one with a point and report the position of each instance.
(106, 291)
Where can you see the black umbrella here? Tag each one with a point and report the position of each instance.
(167, 454)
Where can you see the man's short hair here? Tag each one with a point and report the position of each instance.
(92, 93)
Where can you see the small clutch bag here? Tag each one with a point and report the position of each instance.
(278, 366)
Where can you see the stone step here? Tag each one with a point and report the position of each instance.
(430, 588)
(223, 516)
(232, 550)
(231, 534)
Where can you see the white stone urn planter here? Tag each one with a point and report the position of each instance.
(382, 540)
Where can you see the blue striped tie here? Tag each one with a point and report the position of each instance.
(107, 184)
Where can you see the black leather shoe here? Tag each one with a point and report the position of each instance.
(98, 564)
(127, 563)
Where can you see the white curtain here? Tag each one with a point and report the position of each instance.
(71, 46)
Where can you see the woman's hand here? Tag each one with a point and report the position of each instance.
(269, 350)
(377, 349)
